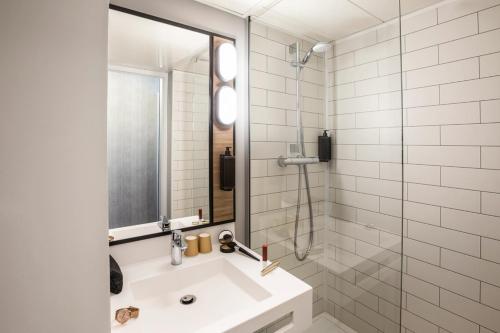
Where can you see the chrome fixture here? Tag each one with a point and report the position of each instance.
(178, 246)
(188, 299)
(283, 162)
(300, 160)
(164, 223)
(320, 47)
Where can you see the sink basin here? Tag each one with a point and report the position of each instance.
(220, 288)
(231, 295)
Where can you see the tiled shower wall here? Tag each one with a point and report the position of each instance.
(451, 225)
(273, 120)
(363, 238)
(190, 116)
(452, 97)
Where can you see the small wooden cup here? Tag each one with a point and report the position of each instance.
(192, 246)
(205, 243)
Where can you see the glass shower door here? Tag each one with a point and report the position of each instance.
(365, 224)
(354, 91)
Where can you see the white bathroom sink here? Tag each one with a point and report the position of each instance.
(231, 296)
(219, 287)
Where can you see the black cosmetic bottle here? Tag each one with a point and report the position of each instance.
(227, 170)
(324, 147)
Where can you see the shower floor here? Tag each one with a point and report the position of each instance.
(325, 323)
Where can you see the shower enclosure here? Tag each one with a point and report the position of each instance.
(337, 225)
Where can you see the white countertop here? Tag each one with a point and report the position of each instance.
(286, 294)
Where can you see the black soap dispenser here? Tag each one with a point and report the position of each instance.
(227, 170)
(324, 147)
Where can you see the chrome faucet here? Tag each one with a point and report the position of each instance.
(178, 246)
(164, 223)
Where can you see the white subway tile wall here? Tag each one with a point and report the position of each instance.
(273, 189)
(190, 117)
(451, 189)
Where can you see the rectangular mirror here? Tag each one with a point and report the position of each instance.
(159, 124)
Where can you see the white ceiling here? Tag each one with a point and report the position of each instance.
(141, 43)
(320, 19)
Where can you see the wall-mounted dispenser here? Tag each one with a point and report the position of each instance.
(324, 147)
(227, 170)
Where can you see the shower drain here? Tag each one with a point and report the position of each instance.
(188, 299)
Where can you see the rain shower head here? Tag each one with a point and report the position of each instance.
(319, 47)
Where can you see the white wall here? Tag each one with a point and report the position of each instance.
(53, 197)
(451, 63)
(200, 16)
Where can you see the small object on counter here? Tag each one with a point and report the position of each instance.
(200, 215)
(224, 248)
(115, 276)
(242, 250)
(111, 238)
(226, 237)
(205, 243)
(264, 256)
(192, 246)
(270, 268)
(228, 245)
(125, 314)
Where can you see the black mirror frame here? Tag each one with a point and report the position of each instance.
(210, 35)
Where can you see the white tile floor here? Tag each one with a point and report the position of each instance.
(325, 323)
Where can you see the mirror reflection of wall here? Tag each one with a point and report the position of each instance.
(158, 121)
(133, 146)
(190, 137)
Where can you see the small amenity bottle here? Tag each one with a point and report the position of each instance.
(264, 256)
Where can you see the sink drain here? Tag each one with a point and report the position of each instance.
(188, 299)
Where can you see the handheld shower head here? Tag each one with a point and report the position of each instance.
(319, 47)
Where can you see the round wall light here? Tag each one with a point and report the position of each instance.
(226, 62)
(226, 102)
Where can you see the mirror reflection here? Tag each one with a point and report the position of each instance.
(158, 122)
